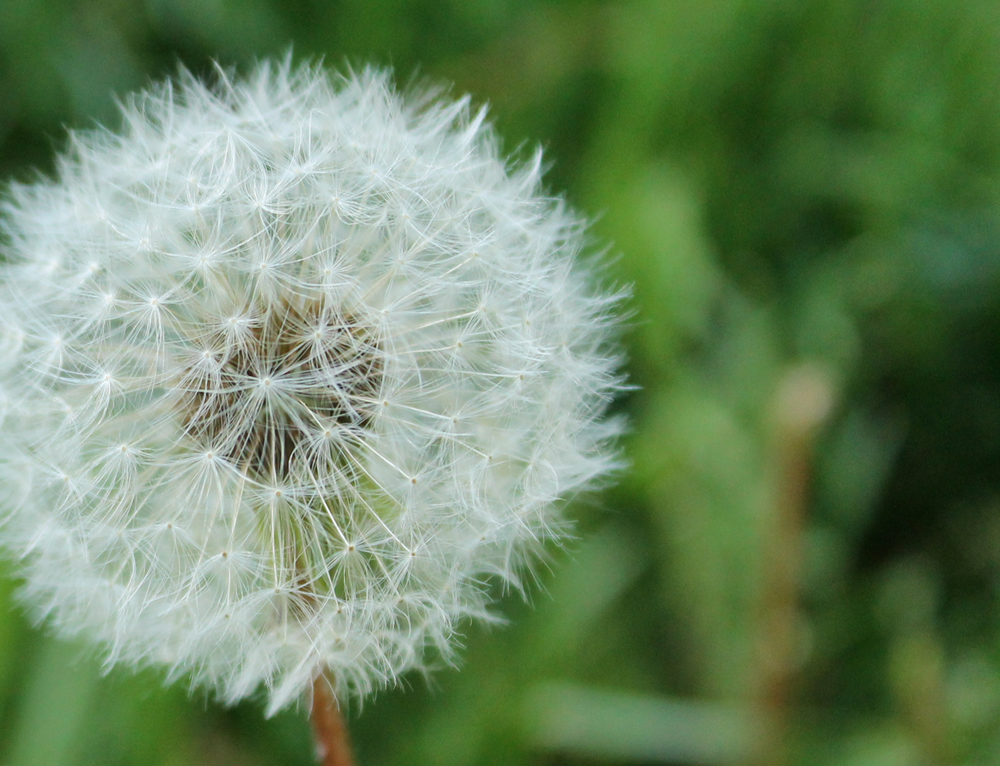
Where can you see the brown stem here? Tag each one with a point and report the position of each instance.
(333, 744)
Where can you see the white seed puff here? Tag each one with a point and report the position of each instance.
(288, 369)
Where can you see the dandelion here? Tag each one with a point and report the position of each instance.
(289, 367)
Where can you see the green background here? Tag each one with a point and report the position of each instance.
(802, 564)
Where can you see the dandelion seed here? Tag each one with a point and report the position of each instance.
(264, 348)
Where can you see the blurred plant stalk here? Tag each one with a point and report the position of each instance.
(803, 402)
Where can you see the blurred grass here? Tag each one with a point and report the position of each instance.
(789, 183)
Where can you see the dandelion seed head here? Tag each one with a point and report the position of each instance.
(287, 367)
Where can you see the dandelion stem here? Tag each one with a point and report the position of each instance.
(333, 744)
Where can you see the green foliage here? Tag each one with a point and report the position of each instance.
(802, 561)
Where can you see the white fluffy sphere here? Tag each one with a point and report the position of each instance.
(288, 368)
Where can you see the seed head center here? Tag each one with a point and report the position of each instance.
(330, 370)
